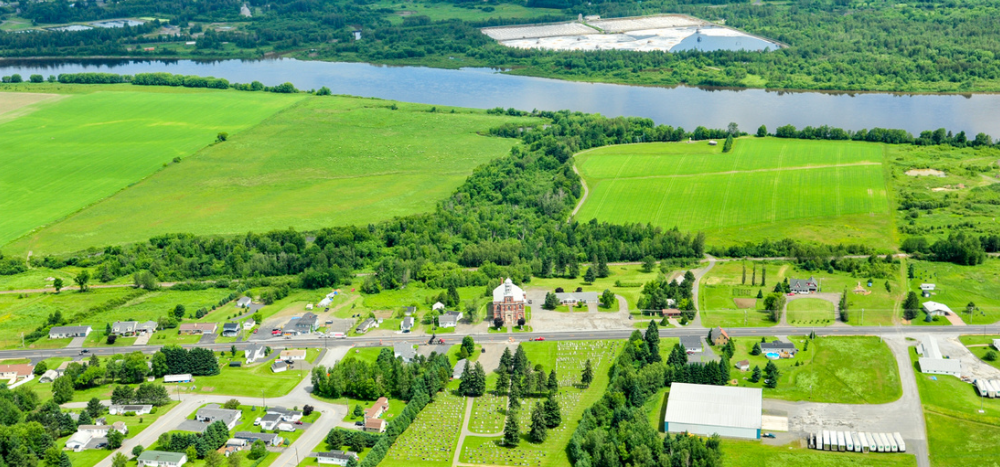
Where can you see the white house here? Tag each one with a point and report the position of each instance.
(293, 354)
(438, 306)
(243, 302)
(406, 324)
(928, 287)
(279, 366)
(270, 421)
(253, 352)
(62, 332)
(691, 344)
(161, 459)
(249, 324)
(936, 309)
(449, 319)
(214, 413)
(286, 414)
(269, 439)
(335, 457)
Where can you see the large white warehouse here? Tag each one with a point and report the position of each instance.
(706, 410)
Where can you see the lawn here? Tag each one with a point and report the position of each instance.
(443, 11)
(324, 161)
(956, 286)
(105, 142)
(25, 313)
(761, 184)
(810, 312)
(738, 453)
(630, 276)
(979, 345)
(844, 370)
(250, 381)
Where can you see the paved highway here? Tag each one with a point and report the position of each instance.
(316, 341)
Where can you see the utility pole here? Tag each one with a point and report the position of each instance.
(263, 401)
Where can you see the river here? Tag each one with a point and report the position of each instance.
(485, 88)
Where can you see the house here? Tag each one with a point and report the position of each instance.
(996, 344)
(15, 373)
(161, 459)
(270, 421)
(671, 313)
(132, 328)
(305, 324)
(458, 369)
(377, 409)
(249, 324)
(293, 355)
(269, 439)
(335, 457)
(184, 378)
(409, 310)
(233, 445)
(405, 351)
(783, 349)
(357, 35)
(573, 298)
(49, 376)
(449, 319)
(62, 332)
(243, 302)
(230, 329)
(508, 302)
(253, 352)
(691, 344)
(438, 306)
(286, 414)
(719, 336)
(936, 309)
(118, 409)
(407, 324)
(928, 287)
(198, 328)
(214, 413)
(93, 436)
(279, 366)
(803, 285)
(743, 365)
(366, 325)
(375, 425)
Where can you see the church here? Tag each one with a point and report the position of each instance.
(508, 302)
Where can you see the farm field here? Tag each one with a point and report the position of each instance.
(957, 285)
(83, 148)
(324, 161)
(797, 186)
(843, 370)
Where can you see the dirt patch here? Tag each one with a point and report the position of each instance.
(925, 173)
(383, 314)
(960, 186)
(745, 303)
(11, 101)
(406, 13)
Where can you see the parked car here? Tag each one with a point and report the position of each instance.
(359, 423)
(769, 435)
(298, 422)
(539, 339)
(84, 351)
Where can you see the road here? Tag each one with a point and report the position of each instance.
(279, 343)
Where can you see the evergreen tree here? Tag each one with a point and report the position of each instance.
(588, 374)
(520, 361)
(551, 301)
(94, 407)
(538, 431)
(85, 418)
(911, 306)
(64, 460)
(755, 375)
(652, 338)
(589, 276)
(468, 375)
(553, 414)
(756, 349)
(506, 361)
(553, 382)
(115, 439)
(479, 384)
(602, 266)
(511, 430)
(753, 278)
(119, 460)
(503, 384)
(763, 276)
(678, 356)
(453, 298)
(744, 281)
(469, 344)
(62, 389)
(771, 374)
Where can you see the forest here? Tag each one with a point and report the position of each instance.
(832, 44)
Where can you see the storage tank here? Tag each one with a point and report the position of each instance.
(893, 447)
(841, 445)
(899, 441)
(865, 444)
(848, 441)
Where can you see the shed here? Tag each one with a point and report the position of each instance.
(706, 410)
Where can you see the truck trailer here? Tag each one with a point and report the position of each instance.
(893, 447)
(981, 388)
(899, 441)
(841, 445)
(865, 444)
(849, 441)
(826, 440)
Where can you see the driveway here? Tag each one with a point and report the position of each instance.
(207, 339)
(76, 343)
(904, 415)
(698, 274)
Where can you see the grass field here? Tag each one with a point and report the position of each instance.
(79, 149)
(737, 453)
(956, 286)
(324, 161)
(25, 314)
(443, 11)
(810, 312)
(762, 183)
(844, 370)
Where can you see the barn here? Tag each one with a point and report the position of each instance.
(705, 410)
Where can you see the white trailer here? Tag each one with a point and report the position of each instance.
(872, 442)
(991, 391)
(858, 445)
(981, 388)
(893, 447)
(880, 440)
(826, 440)
(996, 385)
(849, 441)
(841, 445)
(899, 441)
(865, 444)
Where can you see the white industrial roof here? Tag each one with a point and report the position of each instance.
(702, 404)
(935, 306)
(940, 364)
(929, 347)
(508, 289)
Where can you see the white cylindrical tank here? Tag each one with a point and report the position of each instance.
(899, 441)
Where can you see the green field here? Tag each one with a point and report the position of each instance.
(75, 151)
(738, 453)
(810, 312)
(324, 161)
(956, 286)
(799, 187)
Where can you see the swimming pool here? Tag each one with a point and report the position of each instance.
(772, 355)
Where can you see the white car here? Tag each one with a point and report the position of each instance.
(256, 422)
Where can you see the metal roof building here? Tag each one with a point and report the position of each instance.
(706, 410)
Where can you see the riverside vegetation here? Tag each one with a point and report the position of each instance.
(833, 45)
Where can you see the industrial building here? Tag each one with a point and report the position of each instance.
(931, 361)
(705, 410)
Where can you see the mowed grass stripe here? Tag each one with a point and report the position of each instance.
(86, 147)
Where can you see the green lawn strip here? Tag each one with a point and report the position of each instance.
(810, 312)
(847, 370)
(378, 163)
(656, 408)
(739, 453)
(980, 345)
(249, 381)
(959, 442)
(35, 278)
